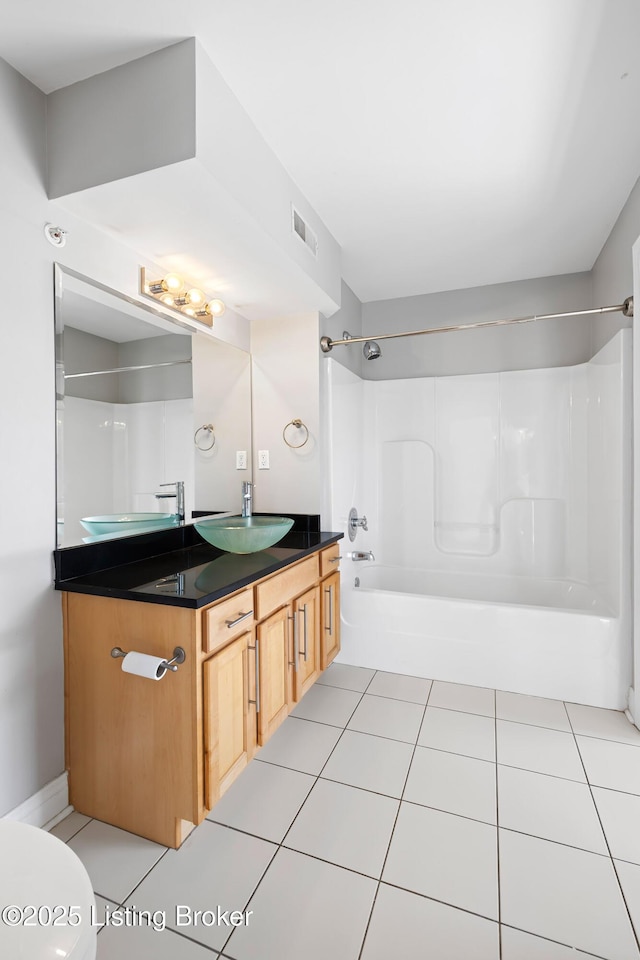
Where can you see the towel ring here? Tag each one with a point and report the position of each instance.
(299, 425)
(208, 428)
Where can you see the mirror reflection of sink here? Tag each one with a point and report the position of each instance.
(124, 523)
(243, 534)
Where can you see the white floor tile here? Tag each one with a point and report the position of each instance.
(305, 908)
(326, 704)
(372, 763)
(409, 927)
(214, 866)
(610, 764)
(538, 749)
(453, 783)
(348, 677)
(102, 905)
(607, 724)
(549, 807)
(445, 857)
(115, 860)
(564, 894)
(629, 877)
(145, 943)
(382, 717)
(534, 710)
(263, 800)
(397, 686)
(620, 815)
(459, 696)
(517, 945)
(300, 745)
(345, 825)
(464, 733)
(68, 827)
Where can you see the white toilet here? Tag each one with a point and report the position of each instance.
(39, 871)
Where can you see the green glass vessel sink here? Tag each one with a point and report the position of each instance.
(124, 523)
(243, 534)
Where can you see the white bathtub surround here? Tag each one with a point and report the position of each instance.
(529, 862)
(124, 451)
(499, 517)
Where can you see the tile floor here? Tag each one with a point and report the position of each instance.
(393, 817)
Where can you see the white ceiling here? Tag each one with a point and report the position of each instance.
(445, 143)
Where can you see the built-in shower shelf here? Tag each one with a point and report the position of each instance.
(467, 539)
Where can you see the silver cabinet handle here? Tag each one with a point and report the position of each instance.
(335, 559)
(330, 627)
(257, 653)
(239, 619)
(295, 640)
(304, 616)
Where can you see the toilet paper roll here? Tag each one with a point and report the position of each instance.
(142, 665)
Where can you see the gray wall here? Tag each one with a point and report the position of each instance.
(548, 343)
(31, 675)
(136, 117)
(82, 351)
(162, 383)
(348, 317)
(613, 271)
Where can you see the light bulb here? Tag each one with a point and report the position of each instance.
(216, 307)
(189, 311)
(194, 297)
(172, 283)
(168, 299)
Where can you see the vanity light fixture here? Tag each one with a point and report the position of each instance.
(170, 290)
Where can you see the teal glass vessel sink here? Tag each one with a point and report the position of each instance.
(124, 523)
(243, 534)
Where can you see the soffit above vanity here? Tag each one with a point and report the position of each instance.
(159, 153)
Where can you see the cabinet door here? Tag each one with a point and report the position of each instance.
(330, 619)
(272, 660)
(227, 739)
(306, 624)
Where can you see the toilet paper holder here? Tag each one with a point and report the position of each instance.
(179, 656)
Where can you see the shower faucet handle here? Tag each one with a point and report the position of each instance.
(359, 522)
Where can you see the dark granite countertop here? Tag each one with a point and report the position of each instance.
(193, 575)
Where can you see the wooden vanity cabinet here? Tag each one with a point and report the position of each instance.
(155, 757)
(229, 716)
(330, 620)
(305, 643)
(295, 591)
(329, 605)
(273, 696)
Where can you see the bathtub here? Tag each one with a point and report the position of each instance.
(547, 638)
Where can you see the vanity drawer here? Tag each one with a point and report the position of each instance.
(279, 589)
(330, 560)
(227, 619)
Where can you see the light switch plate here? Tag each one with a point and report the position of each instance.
(241, 459)
(263, 459)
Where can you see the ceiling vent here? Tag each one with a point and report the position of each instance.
(304, 231)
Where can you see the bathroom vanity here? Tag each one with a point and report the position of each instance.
(153, 757)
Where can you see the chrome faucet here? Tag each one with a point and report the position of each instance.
(178, 494)
(362, 555)
(247, 498)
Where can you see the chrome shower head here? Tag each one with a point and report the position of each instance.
(371, 350)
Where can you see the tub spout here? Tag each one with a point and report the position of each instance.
(362, 555)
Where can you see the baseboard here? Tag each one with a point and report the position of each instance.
(45, 807)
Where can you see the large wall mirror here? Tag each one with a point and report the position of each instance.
(142, 401)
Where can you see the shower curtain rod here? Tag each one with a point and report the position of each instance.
(142, 366)
(626, 308)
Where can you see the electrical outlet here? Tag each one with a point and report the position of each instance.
(263, 459)
(241, 459)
